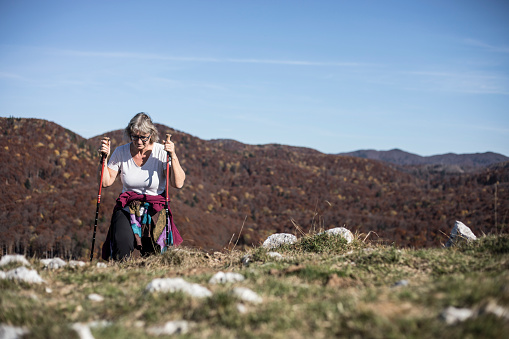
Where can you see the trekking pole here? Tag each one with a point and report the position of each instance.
(103, 158)
(169, 235)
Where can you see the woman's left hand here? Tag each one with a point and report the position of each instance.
(169, 146)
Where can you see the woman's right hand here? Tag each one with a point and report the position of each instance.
(105, 146)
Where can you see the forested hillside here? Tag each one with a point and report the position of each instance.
(50, 180)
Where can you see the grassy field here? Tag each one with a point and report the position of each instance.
(321, 288)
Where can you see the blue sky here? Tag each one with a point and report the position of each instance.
(428, 77)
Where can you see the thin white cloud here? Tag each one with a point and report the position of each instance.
(492, 48)
(188, 84)
(459, 82)
(12, 76)
(473, 83)
(496, 129)
(294, 62)
(149, 56)
(129, 55)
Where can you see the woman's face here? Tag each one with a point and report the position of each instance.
(140, 140)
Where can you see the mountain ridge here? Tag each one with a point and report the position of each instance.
(466, 161)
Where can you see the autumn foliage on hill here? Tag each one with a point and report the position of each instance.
(50, 179)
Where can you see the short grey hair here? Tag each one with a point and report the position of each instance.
(141, 123)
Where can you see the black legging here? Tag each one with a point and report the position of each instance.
(122, 237)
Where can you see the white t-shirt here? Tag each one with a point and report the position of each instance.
(148, 179)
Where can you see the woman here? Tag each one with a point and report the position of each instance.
(142, 167)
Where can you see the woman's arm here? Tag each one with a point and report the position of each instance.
(109, 175)
(177, 174)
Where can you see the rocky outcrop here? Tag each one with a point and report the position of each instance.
(23, 274)
(460, 232)
(14, 258)
(342, 232)
(279, 239)
(228, 277)
(247, 295)
(172, 285)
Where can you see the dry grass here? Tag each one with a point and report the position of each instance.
(323, 287)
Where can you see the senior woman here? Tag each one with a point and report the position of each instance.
(141, 165)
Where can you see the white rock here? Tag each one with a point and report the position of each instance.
(2, 276)
(170, 328)
(177, 284)
(452, 315)
(101, 265)
(14, 258)
(49, 290)
(83, 331)
(495, 309)
(279, 239)
(460, 231)
(228, 277)
(342, 232)
(24, 274)
(54, 263)
(74, 263)
(241, 308)
(275, 255)
(95, 297)
(245, 294)
(11, 332)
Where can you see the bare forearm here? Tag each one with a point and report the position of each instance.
(108, 176)
(178, 176)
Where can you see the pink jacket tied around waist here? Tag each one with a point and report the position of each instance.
(157, 202)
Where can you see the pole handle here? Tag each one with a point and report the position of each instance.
(108, 140)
